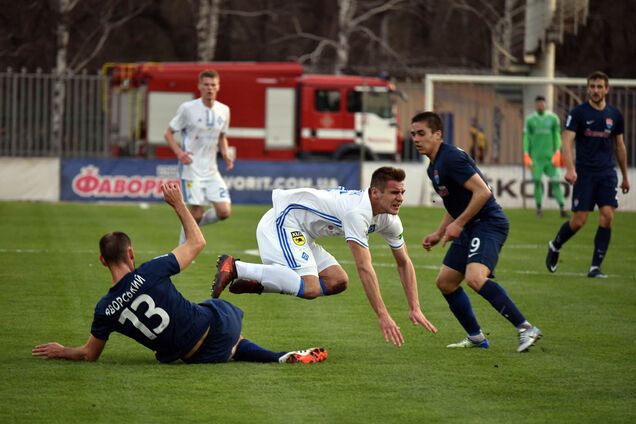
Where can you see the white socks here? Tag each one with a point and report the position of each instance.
(274, 278)
(209, 217)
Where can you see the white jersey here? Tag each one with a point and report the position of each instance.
(201, 128)
(329, 213)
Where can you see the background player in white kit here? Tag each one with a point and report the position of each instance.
(294, 264)
(203, 124)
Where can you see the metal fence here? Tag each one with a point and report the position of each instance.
(28, 112)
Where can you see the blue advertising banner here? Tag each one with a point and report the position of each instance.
(249, 182)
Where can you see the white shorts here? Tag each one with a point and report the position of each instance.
(203, 192)
(288, 246)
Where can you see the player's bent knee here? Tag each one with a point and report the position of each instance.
(578, 221)
(475, 282)
(223, 215)
(312, 293)
(338, 287)
(445, 286)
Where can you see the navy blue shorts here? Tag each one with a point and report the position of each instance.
(479, 242)
(225, 329)
(591, 190)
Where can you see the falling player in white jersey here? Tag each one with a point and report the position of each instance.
(203, 124)
(294, 264)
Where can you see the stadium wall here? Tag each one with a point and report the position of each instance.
(511, 184)
(251, 182)
(35, 179)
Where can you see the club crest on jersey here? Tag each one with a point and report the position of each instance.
(298, 237)
(442, 191)
(609, 123)
(371, 229)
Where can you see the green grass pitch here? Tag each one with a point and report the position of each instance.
(583, 370)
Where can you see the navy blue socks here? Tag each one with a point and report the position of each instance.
(459, 304)
(499, 299)
(251, 352)
(601, 243)
(564, 234)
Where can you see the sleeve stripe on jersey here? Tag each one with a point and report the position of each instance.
(396, 246)
(360, 242)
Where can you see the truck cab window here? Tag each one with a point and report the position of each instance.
(354, 101)
(376, 102)
(327, 101)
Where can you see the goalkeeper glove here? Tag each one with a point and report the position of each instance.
(557, 160)
(527, 160)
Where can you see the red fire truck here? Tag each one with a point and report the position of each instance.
(277, 111)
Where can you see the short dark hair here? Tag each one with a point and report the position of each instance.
(114, 247)
(432, 120)
(383, 175)
(539, 98)
(208, 73)
(598, 75)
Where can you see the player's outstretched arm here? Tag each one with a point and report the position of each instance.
(409, 283)
(195, 242)
(369, 280)
(89, 352)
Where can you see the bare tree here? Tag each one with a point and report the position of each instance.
(352, 20)
(112, 15)
(207, 28)
(208, 14)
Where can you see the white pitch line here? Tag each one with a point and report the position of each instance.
(254, 252)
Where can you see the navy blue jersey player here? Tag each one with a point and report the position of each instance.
(477, 227)
(597, 129)
(144, 305)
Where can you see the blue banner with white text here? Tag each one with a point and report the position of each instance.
(250, 182)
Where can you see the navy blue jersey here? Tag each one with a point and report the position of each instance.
(449, 171)
(595, 132)
(144, 305)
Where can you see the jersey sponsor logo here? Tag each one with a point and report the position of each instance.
(298, 237)
(601, 134)
(305, 256)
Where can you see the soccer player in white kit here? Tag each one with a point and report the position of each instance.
(203, 124)
(294, 264)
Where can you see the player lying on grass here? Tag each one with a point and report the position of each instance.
(144, 305)
(294, 264)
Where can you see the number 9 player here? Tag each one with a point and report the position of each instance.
(477, 228)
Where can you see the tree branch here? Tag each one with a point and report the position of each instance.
(377, 10)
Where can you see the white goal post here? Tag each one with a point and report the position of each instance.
(495, 107)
